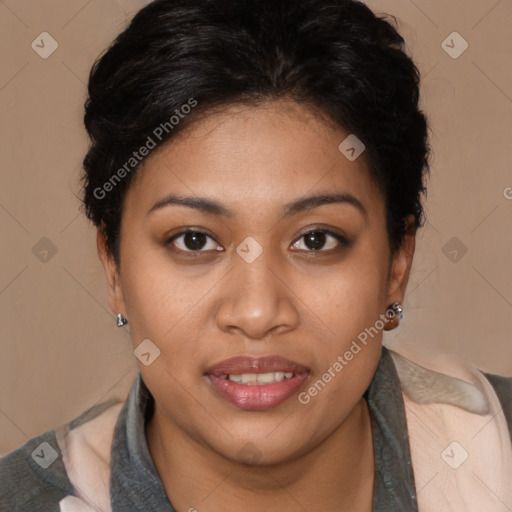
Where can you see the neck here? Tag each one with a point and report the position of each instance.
(336, 475)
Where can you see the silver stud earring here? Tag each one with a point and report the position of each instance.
(398, 309)
(121, 320)
(395, 313)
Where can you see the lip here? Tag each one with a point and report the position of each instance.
(250, 364)
(256, 397)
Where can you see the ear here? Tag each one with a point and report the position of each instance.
(400, 266)
(115, 295)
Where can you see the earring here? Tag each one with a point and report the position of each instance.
(395, 313)
(121, 320)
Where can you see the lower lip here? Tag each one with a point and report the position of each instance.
(257, 397)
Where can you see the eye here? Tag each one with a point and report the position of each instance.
(315, 239)
(192, 241)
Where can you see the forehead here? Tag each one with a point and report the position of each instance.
(253, 157)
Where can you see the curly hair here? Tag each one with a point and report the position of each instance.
(335, 56)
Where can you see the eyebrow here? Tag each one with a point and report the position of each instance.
(212, 207)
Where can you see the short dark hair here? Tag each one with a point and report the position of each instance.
(335, 56)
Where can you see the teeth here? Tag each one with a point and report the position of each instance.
(260, 378)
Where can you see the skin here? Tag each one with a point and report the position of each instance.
(292, 301)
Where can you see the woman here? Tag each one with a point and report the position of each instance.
(256, 174)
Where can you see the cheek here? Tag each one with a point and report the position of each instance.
(150, 292)
(353, 298)
(163, 301)
(351, 303)
(350, 348)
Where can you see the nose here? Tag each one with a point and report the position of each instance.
(257, 300)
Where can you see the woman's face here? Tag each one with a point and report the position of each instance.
(272, 274)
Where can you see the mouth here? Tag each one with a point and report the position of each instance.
(256, 383)
(258, 379)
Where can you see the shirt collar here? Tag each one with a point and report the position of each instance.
(135, 484)
(394, 478)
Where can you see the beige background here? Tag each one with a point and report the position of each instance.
(60, 351)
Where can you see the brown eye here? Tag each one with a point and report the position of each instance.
(192, 241)
(316, 240)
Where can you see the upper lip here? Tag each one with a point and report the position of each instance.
(250, 364)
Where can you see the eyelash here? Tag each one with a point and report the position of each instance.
(343, 242)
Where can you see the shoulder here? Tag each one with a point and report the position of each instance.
(34, 477)
(433, 376)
